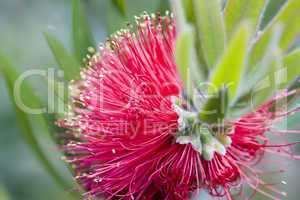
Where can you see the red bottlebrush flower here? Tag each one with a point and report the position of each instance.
(133, 141)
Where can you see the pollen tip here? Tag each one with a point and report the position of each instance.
(284, 182)
(284, 193)
(91, 50)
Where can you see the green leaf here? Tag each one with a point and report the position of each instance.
(229, 70)
(186, 61)
(291, 64)
(226, 77)
(237, 11)
(189, 10)
(260, 83)
(4, 193)
(182, 54)
(272, 77)
(60, 97)
(179, 13)
(81, 32)
(163, 6)
(215, 109)
(121, 5)
(270, 11)
(66, 62)
(185, 53)
(210, 28)
(287, 17)
(27, 121)
(114, 19)
(266, 88)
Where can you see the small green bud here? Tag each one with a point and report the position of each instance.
(206, 136)
(183, 139)
(225, 140)
(208, 152)
(220, 148)
(196, 143)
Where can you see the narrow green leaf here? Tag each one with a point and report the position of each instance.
(278, 74)
(185, 53)
(189, 10)
(66, 62)
(210, 26)
(81, 31)
(267, 87)
(181, 20)
(121, 5)
(60, 97)
(229, 70)
(260, 82)
(271, 76)
(226, 77)
(25, 120)
(215, 109)
(287, 17)
(182, 54)
(291, 63)
(4, 193)
(163, 6)
(237, 11)
(271, 11)
(114, 19)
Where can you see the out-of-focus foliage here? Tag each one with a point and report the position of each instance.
(121, 5)
(65, 61)
(270, 10)
(233, 60)
(237, 11)
(28, 122)
(21, 37)
(3, 193)
(285, 18)
(182, 54)
(81, 33)
(70, 30)
(210, 29)
(291, 63)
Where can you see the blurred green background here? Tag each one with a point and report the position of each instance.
(22, 23)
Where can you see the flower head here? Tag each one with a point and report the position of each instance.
(136, 135)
